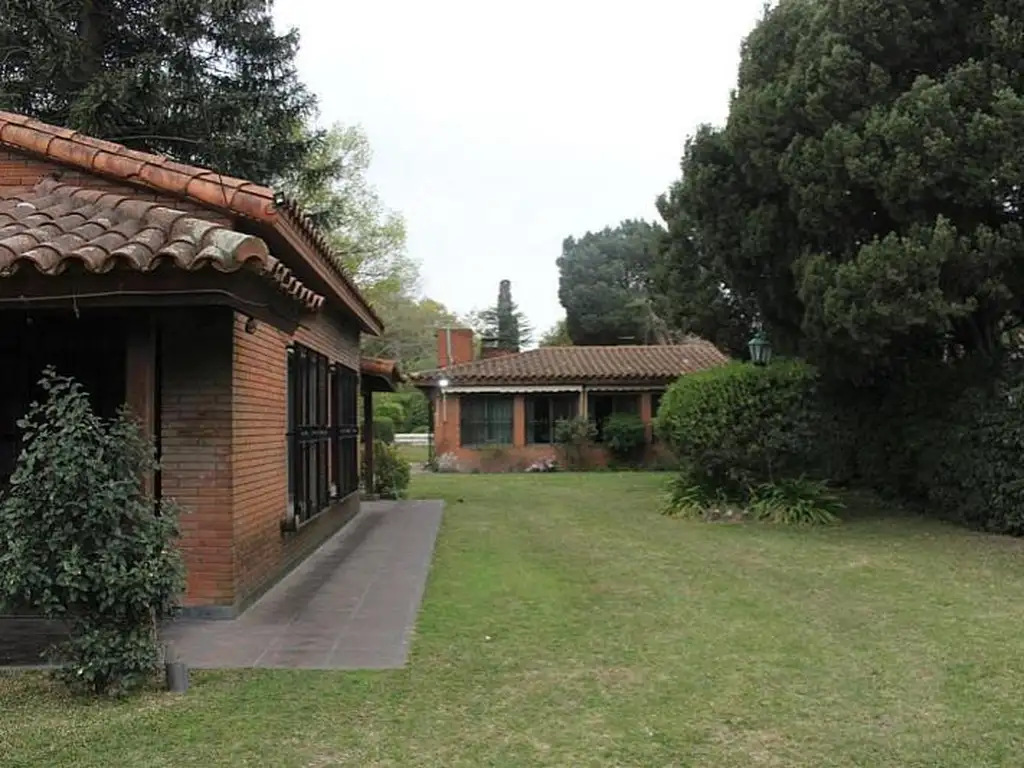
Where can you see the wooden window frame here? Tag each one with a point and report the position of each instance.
(550, 418)
(495, 434)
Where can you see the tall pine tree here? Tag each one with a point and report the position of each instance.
(207, 82)
(503, 326)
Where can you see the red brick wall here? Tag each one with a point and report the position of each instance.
(259, 424)
(224, 420)
(196, 443)
(446, 424)
(462, 346)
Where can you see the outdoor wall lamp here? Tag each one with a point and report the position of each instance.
(251, 325)
(760, 349)
(443, 384)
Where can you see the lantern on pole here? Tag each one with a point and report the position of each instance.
(760, 349)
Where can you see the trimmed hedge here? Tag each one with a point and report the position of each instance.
(739, 425)
(625, 436)
(962, 452)
(946, 440)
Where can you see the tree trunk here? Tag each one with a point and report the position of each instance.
(91, 23)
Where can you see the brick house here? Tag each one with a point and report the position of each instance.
(499, 411)
(214, 308)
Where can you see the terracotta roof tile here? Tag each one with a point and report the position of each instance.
(386, 372)
(53, 225)
(583, 364)
(237, 197)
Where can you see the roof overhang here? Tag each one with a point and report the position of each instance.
(379, 375)
(246, 292)
(515, 387)
(269, 211)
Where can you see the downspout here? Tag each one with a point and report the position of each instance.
(448, 364)
(158, 429)
(288, 522)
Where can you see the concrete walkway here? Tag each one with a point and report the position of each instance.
(351, 605)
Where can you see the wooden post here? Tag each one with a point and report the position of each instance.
(519, 421)
(140, 381)
(647, 417)
(368, 439)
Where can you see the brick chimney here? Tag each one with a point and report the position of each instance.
(461, 346)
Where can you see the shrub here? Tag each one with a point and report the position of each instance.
(796, 501)
(384, 430)
(966, 458)
(694, 496)
(82, 540)
(741, 425)
(625, 436)
(417, 411)
(386, 407)
(391, 472)
(574, 438)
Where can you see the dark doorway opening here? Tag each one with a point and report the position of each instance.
(91, 347)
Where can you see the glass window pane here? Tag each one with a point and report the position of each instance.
(485, 420)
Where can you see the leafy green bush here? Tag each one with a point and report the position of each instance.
(384, 430)
(575, 437)
(795, 501)
(391, 472)
(625, 436)
(965, 459)
(386, 407)
(82, 540)
(740, 425)
(694, 497)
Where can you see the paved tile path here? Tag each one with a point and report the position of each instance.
(351, 605)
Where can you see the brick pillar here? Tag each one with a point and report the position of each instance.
(646, 416)
(446, 423)
(519, 421)
(140, 380)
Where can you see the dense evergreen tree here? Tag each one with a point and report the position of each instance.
(605, 285)
(867, 186)
(692, 295)
(207, 82)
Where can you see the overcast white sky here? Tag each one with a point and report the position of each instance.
(501, 128)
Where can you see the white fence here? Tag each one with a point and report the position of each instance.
(412, 438)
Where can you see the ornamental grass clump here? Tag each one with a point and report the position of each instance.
(83, 541)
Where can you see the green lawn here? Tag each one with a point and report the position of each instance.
(415, 454)
(566, 623)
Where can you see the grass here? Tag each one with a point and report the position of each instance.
(567, 623)
(415, 454)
